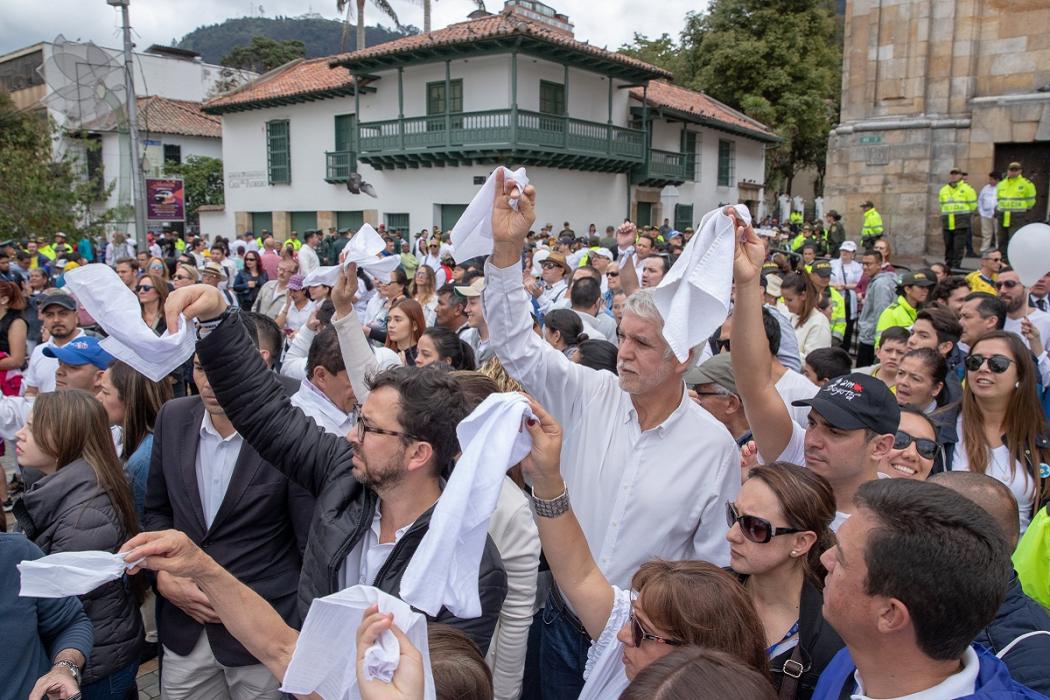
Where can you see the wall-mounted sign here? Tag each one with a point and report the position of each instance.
(165, 199)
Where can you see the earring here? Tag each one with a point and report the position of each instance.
(794, 552)
(1017, 385)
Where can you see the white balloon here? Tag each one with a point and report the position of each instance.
(1029, 252)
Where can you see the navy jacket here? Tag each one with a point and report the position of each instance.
(1029, 659)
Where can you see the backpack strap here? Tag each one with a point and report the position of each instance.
(1017, 640)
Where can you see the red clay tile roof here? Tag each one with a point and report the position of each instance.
(504, 24)
(161, 115)
(299, 78)
(704, 107)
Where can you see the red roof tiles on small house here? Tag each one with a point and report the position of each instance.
(704, 108)
(162, 115)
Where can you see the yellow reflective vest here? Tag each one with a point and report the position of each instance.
(838, 313)
(795, 217)
(872, 224)
(958, 202)
(1014, 195)
(899, 313)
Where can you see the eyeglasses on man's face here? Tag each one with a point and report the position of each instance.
(363, 427)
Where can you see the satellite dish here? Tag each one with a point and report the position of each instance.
(86, 84)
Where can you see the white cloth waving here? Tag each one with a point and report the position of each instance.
(325, 656)
(444, 569)
(693, 298)
(116, 308)
(472, 234)
(363, 250)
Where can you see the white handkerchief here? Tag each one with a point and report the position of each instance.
(472, 234)
(363, 250)
(325, 657)
(69, 573)
(444, 569)
(116, 308)
(693, 298)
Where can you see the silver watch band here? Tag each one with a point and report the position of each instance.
(73, 668)
(552, 508)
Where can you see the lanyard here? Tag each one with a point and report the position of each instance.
(788, 635)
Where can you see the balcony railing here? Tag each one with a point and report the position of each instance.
(498, 130)
(339, 165)
(665, 168)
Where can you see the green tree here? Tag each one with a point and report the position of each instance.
(778, 61)
(264, 54)
(202, 180)
(662, 52)
(38, 193)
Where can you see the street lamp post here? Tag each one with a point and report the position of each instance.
(138, 184)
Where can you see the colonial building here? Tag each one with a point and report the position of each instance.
(424, 119)
(932, 84)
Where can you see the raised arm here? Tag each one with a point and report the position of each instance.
(358, 357)
(574, 569)
(560, 384)
(766, 412)
(252, 396)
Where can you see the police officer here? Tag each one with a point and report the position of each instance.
(958, 201)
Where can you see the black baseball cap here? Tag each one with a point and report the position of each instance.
(55, 297)
(822, 268)
(919, 278)
(856, 401)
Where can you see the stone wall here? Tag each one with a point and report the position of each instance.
(929, 85)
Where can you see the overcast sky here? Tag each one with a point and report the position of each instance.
(157, 21)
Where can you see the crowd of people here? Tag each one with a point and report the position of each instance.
(821, 500)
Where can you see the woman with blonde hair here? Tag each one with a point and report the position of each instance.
(84, 503)
(185, 275)
(152, 291)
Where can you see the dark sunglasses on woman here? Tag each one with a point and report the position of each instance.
(144, 288)
(996, 363)
(927, 449)
(758, 530)
(639, 635)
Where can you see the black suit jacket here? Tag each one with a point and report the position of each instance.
(258, 534)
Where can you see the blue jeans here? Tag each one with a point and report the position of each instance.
(562, 652)
(112, 687)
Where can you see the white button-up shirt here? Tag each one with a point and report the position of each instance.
(638, 495)
(326, 414)
(216, 458)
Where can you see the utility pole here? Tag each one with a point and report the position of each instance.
(138, 183)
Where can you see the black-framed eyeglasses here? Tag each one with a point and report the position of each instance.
(639, 635)
(758, 530)
(1007, 284)
(997, 363)
(926, 448)
(550, 265)
(363, 428)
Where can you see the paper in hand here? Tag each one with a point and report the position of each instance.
(116, 308)
(363, 250)
(66, 574)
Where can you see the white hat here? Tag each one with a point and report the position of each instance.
(849, 245)
(604, 252)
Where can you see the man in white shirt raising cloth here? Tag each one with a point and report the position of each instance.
(648, 469)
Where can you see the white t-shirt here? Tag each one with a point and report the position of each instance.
(1020, 482)
(1039, 319)
(795, 387)
(41, 369)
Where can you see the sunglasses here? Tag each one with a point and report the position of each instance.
(1007, 284)
(996, 363)
(144, 288)
(927, 449)
(612, 274)
(758, 530)
(639, 635)
(550, 266)
(182, 277)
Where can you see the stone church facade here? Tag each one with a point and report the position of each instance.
(928, 85)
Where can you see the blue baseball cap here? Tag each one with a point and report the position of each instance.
(81, 351)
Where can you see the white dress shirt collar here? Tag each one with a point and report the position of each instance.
(215, 462)
(326, 414)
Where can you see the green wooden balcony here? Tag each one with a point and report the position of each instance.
(339, 165)
(664, 168)
(523, 137)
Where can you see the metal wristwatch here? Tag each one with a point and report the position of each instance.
(552, 508)
(72, 667)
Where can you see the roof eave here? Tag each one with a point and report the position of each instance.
(281, 100)
(714, 123)
(525, 43)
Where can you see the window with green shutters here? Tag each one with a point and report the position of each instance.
(344, 132)
(644, 214)
(552, 98)
(436, 97)
(689, 149)
(726, 163)
(262, 221)
(278, 152)
(398, 222)
(683, 216)
(303, 221)
(349, 219)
